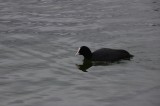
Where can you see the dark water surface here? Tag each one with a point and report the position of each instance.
(39, 38)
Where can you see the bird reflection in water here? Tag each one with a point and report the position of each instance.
(88, 64)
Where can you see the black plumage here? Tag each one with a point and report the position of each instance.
(104, 54)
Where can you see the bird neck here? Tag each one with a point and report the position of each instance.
(88, 56)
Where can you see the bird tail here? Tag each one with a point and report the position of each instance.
(131, 56)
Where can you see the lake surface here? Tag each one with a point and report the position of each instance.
(39, 39)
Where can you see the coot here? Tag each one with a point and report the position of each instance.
(104, 54)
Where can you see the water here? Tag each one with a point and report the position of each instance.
(39, 39)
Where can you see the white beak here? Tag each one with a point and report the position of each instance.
(77, 51)
(76, 54)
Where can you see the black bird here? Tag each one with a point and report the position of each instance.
(104, 54)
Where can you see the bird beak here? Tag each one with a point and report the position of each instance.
(77, 52)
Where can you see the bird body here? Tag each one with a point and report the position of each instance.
(104, 54)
